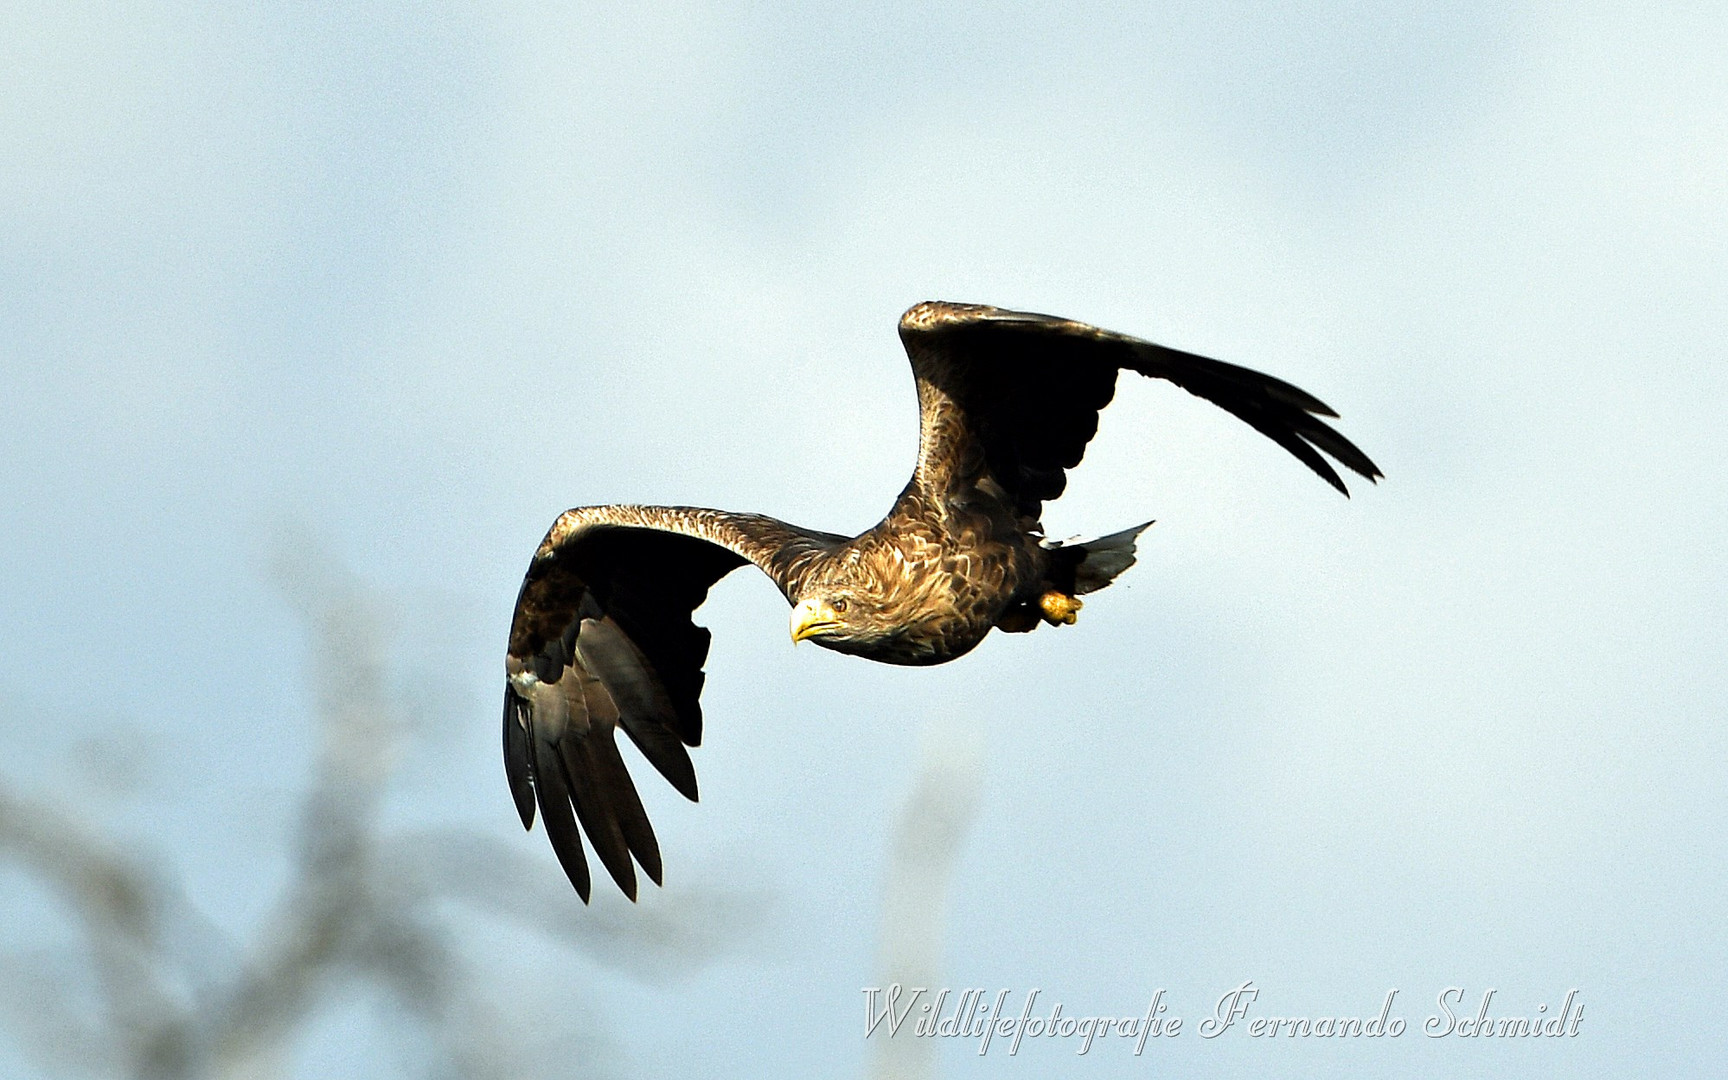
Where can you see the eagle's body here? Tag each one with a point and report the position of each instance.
(602, 636)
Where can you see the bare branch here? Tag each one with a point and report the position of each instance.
(362, 905)
(927, 844)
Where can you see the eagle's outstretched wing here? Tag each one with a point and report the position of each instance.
(1025, 389)
(602, 638)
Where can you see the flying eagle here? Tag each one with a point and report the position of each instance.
(602, 636)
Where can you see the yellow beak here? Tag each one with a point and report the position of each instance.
(811, 617)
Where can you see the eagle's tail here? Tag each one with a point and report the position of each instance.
(1104, 558)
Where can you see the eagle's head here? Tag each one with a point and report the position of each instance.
(835, 616)
(880, 627)
(850, 606)
(873, 602)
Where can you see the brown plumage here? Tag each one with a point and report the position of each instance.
(603, 638)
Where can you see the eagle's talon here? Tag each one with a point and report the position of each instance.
(1059, 608)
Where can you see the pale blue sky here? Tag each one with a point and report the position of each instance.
(413, 278)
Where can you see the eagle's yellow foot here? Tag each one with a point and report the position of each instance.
(1059, 609)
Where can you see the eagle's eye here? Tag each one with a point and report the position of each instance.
(838, 603)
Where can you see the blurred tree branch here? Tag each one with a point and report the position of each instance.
(929, 838)
(173, 999)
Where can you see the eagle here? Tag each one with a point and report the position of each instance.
(603, 636)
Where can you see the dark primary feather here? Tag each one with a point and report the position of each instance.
(603, 625)
(517, 767)
(1029, 387)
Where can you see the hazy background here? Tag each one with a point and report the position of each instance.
(402, 281)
